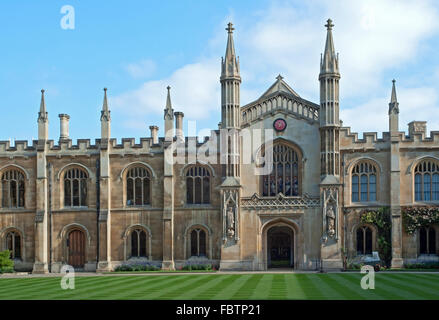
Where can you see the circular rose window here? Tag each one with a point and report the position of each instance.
(279, 125)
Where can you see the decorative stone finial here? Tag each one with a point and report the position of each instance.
(230, 27)
(329, 24)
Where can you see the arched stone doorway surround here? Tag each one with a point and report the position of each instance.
(297, 241)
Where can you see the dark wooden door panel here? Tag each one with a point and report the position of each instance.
(76, 248)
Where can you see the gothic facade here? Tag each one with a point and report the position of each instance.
(99, 205)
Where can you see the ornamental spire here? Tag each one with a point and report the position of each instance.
(393, 105)
(329, 64)
(42, 115)
(169, 112)
(230, 63)
(105, 113)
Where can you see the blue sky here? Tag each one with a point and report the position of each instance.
(139, 48)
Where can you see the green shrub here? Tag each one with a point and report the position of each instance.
(136, 267)
(6, 264)
(200, 267)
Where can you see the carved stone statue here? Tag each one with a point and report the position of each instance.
(230, 221)
(330, 221)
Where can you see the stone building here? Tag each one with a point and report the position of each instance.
(99, 205)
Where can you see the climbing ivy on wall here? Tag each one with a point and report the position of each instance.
(381, 219)
(416, 217)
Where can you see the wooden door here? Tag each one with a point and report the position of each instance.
(76, 247)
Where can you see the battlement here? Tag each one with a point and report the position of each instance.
(370, 140)
(417, 138)
(19, 146)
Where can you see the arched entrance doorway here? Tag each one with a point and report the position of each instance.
(76, 248)
(280, 247)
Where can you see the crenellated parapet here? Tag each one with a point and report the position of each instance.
(20, 146)
(350, 141)
(420, 140)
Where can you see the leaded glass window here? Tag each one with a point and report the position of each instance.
(284, 177)
(364, 182)
(427, 181)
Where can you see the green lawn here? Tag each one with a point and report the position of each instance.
(227, 286)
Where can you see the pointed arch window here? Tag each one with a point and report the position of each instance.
(426, 182)
(13, 244)
(198, 185)
(364, 240)
(427, 240)
(138, 184)
(364, 182)
(75, 188)
(138, 243)
(285, 175)
(13, 188)
(198, 243)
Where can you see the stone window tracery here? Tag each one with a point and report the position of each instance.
(138, 243)
(427, 181)
(198, 243)
(13, 189)
(13, 244)
(285, 175)
(197, 185)
(138, 184)
(364, 182)
(427, 240)
(364, 240)
(75, 188)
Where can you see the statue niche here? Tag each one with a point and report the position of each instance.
(230, 221)
(330, 220)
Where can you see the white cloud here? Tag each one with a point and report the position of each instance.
(373, 37)
(194, 90)
(142, 69)
(414, 104)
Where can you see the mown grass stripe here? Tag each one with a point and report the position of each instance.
(237, 282)
(263, 288)
(278, 287)
(184, 291)
(423, 289)
(19, 283)
(431, 280)
(54, 284)
(145, 286)
(331, 287)
(396, 286)
(378, 293)
(308, 286)
(223, 286)
(294, 290)
(247, 288)
(224, 281)
(161, 289)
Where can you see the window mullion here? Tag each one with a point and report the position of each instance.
(365, 240)
(141, 189)
(202, 189)
(428, 242)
